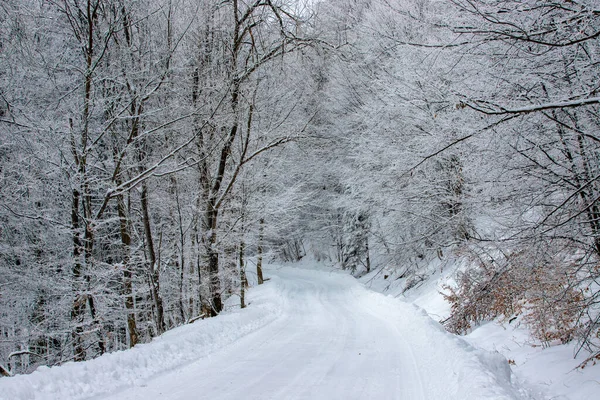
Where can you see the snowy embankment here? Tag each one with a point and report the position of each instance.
(172, 350)
(450, 368)
(548, 373)
(307, 334)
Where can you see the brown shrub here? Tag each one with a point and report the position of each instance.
(544, 295)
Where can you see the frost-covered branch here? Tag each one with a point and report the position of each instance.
(499, 110)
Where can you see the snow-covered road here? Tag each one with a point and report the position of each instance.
(330, 338)
(333, 341)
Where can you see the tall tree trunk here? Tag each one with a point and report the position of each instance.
(214, 201)
(213, 261)
(368, 261)
(82, 196)
(242, 249)
(181, 252)
(213, 205)
(153, 270)
(127, 273)
(259, 260)
(77, 310)
(197, 244)
(243, 279)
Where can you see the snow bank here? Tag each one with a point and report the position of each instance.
(453, 368)
(173, 349)
(549, 373)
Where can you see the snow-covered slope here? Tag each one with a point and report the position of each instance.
(307, 334)
(134, 367)
(550, 373)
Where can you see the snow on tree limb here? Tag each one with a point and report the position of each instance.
(532, 108)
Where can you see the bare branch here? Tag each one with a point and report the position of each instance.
(534, 108)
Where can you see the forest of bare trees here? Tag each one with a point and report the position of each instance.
(153, 153)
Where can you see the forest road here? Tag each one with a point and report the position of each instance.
(334, 340)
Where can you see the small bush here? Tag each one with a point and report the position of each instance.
(545, 295)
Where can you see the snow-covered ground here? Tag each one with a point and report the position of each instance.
(549, 373)
(307, 334)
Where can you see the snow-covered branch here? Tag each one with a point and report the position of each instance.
(499, 110)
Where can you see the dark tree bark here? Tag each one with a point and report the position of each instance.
(259, 250)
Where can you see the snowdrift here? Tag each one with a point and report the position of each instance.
(171, 350)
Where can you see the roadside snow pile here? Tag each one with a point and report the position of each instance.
(551, 372)
(173, 349)
(548, 373)
(451, 367)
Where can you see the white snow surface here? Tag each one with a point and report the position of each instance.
(547, 373)
(307, 334)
